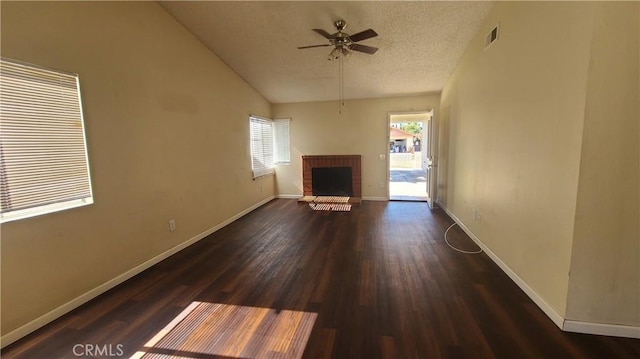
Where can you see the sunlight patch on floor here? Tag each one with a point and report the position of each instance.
(214, 329)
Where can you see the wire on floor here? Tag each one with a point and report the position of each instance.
(457, 249)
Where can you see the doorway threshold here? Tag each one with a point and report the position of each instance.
(408, 198)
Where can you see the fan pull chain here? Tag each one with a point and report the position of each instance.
(342, 78)
(341, 84)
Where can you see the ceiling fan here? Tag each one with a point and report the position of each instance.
(343, 42)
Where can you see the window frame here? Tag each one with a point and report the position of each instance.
(72, 188)
(278, 145)
(282, 141)
(261, 154)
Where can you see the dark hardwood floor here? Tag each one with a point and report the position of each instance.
(380, 278)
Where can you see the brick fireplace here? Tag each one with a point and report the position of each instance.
(325, 161)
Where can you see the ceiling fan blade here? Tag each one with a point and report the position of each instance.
(363, 48)
(323, 33)
(310, 46)
(363, 35)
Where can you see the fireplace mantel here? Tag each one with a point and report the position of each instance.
(315, 161)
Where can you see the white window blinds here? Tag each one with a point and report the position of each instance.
(281, 140)
(262, 151)
(43, 158)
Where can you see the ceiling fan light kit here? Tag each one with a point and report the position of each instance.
(342, 43)
(337, 53)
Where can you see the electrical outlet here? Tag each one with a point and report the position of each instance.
(172, 225)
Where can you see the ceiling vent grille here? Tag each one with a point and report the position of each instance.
(491, 37)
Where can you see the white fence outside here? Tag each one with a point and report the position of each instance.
(405, 160)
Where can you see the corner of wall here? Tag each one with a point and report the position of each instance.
(604, 286)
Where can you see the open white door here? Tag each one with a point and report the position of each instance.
(428, 160)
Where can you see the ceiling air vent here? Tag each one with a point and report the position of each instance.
(491, 37)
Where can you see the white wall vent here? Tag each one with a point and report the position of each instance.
(491, 37)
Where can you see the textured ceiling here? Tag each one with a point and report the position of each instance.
(420, 44)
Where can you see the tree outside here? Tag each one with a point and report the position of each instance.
(412, 127)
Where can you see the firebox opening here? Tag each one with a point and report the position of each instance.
(331, 181)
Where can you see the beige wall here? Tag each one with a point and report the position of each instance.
(167, 133)
(510, 139)
(539, 134)
(317, 128)
(604, 286)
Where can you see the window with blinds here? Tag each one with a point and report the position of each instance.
(281, 141)
(262, 150)
(269, 144)
(43, 156)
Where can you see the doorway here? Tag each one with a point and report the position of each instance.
(410, 157)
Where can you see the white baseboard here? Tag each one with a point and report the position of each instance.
(540, 302)
(297, 196)
(84, 298)
(615, 330)
(289, 196)
(375, 198)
